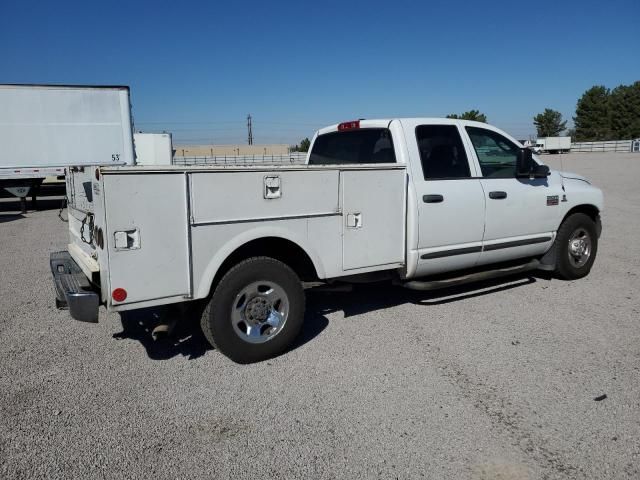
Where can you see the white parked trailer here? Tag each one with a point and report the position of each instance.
(153, 148)
(44, 128)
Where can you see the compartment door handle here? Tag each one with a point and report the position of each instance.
(432, 198)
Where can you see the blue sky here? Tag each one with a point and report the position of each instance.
(198, 68)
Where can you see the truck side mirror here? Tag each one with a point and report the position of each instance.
(526, 167)
(541, 171)
(524, 163)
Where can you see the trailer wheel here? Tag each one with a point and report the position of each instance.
(256, 310)
(577, 244)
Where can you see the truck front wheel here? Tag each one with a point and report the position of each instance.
(577, 244)
(256, 310)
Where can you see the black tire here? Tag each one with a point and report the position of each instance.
(218, 319)
(567, 265)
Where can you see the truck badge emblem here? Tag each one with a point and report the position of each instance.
(552, 200)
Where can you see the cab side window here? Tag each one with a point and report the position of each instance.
(442, 153)
(497, 155)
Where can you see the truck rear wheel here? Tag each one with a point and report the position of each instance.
(577, 244)
(256, 310)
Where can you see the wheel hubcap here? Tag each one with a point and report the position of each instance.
(260, 311)
(579, 250)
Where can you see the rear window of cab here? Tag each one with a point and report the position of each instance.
(367, 145)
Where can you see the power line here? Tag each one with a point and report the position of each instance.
(236, 122)
(178, 122)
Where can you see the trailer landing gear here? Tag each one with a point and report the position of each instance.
(21, 190)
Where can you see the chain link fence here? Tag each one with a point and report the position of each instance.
(293, 158)
(605, 146)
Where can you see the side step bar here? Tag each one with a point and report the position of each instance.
(73, 289)
(472, 277)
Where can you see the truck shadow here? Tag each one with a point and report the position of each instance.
(379, 296)
(187, 339)
(10, 217)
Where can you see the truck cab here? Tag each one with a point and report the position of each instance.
(471, 199)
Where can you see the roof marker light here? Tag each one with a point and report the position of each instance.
(349, 125)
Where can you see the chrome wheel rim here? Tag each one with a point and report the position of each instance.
(580, 247)
(259, 311)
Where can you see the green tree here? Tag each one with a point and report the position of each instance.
(549, 123)
(305, 143)
(474, 115)
(624, 108)
(592, 118)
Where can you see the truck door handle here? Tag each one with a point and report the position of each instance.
(497, 195)
(432, 198)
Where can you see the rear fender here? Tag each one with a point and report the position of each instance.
(204, 283)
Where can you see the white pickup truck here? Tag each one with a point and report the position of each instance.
(424, 203)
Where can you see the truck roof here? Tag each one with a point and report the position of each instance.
(384, 122)
(412, 122)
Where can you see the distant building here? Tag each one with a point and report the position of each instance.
(230, 150)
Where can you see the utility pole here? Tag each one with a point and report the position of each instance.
(250, 130)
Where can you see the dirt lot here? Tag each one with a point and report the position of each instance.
(493, 381)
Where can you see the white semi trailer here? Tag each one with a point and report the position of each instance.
(153, 148)
(44, 128)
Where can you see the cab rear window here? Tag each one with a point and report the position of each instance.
(369, 145)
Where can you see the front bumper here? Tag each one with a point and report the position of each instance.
(73, 289)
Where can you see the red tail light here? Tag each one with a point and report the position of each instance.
(349, 125)
(119, 294)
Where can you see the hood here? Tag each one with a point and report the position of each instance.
(574, 176)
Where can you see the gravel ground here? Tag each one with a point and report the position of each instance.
(494, 381)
